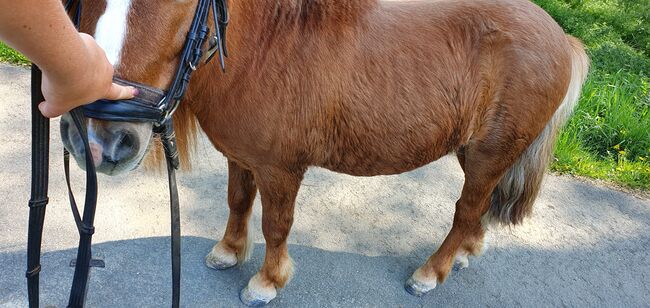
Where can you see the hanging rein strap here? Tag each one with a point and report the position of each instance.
(84, 225)
(38, 200)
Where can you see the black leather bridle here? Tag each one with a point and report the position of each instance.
(150, 105)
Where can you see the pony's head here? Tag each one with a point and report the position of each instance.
(142, 39)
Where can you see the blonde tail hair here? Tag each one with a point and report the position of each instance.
(513, 198)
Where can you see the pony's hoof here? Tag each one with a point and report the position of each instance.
(417, 288)
(219, 264)
(219, 260)
(462, 261)
(254, 299)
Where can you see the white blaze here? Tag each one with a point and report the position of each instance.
(111, 29)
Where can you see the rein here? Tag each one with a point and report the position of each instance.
(150, 105)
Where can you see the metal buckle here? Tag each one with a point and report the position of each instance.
(192, 66)
(214, 47)
(166, 111)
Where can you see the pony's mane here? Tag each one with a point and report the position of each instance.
(309, 12)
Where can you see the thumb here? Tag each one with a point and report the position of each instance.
(49, 110)
(117, 92)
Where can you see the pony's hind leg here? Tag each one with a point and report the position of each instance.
(235, 247)
(472, 245)
(278, 189)
(484, 163)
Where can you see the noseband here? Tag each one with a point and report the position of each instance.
(149, 105)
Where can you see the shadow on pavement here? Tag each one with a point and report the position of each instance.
(137, 274)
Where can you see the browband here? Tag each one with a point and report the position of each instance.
(144, 107)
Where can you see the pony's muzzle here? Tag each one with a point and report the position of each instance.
(114, 147)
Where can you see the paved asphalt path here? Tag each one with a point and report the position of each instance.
(355, 240)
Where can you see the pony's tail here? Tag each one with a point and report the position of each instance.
(513, 198)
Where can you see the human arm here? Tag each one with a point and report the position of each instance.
(75, 68)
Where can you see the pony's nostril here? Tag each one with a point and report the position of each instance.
(126, 147)
(126, 141)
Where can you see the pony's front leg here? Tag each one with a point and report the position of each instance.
(235, 247)
(278, 189)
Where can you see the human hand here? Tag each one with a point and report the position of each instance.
(90, 81)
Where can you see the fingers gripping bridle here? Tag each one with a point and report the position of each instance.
(150, 105)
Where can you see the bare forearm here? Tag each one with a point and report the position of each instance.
(75, 68)
(28, 25)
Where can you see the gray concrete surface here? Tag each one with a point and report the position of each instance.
(354, 243)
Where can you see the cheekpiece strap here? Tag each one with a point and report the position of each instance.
(168, 139)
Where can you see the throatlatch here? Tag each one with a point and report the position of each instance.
(150, 105)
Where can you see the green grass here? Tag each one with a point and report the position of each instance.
(9, 55)
(609, 135)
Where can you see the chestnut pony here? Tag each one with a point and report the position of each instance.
(362, 87)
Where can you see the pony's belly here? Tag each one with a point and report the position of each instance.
(372, 165)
